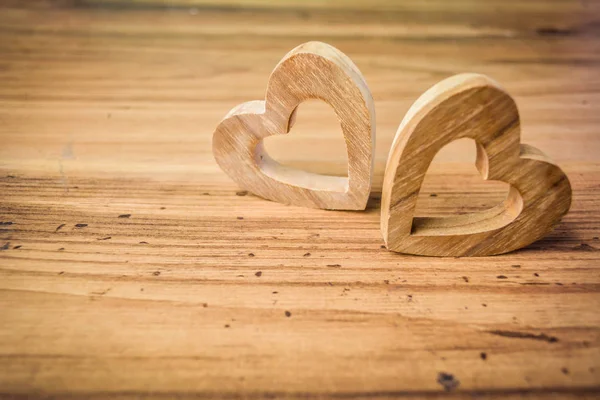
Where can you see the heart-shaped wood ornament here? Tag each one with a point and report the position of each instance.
(313, 70)
(470, 106)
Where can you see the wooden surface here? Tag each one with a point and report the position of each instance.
(132, 266)
(311, 71)
(470, 106)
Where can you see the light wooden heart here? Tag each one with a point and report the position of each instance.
(471, 106)
(313, 70)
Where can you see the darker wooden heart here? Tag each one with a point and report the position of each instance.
(471, 106)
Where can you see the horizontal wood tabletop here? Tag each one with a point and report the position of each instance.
(132, 266)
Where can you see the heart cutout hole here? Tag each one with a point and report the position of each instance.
(465, 201)
(310, 147)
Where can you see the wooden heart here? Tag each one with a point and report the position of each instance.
(471, 106)
(313, 70)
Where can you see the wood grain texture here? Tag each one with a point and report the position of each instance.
(313, 70)
(118, 227)
(470, 106)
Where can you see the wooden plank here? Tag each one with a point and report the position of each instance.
(179, 283)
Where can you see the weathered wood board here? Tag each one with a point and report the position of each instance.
(132, 266)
